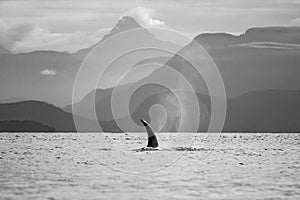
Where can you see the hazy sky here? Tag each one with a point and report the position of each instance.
(27, 25)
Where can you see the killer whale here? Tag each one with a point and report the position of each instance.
(152, 140)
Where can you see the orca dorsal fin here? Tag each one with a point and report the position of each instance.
(152, 140)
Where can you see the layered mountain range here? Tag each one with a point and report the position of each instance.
(260, 70)
(49, 76)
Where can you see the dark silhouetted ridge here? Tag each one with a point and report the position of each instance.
(40, 112)
(264, 111)
(24, 126)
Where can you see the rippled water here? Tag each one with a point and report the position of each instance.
(94, 166)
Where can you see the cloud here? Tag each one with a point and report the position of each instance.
(5, 40)
(296, 21)
(26, 37)
(30, 37)
(145, 17)
(2, 25)
(48, 72)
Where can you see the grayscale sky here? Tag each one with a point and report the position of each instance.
(27, 25)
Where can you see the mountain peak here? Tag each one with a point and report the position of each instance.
(124, 24)
(128, 20)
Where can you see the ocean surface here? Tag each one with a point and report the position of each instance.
(113, 166)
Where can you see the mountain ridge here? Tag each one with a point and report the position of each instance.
(256, 111)
(280, 34)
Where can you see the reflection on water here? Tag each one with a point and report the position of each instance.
(55, 166)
